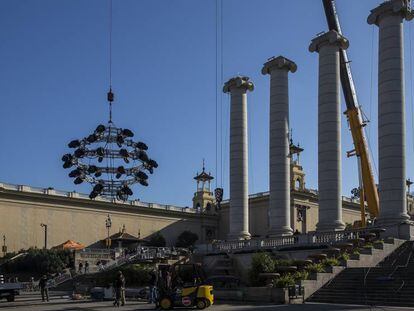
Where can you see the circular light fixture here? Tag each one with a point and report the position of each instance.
(110, 161)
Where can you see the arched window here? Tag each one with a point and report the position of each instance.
(298, 184)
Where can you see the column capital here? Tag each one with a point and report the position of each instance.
(279, 62)
(329, 38)
(239, 82)
(392, 7)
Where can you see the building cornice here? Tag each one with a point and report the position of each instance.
(50, 198)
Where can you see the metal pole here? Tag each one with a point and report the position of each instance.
(4, 246)
(45, 236)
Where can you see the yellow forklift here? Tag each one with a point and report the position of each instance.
(183, 285)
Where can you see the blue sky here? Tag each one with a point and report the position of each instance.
(54, 79)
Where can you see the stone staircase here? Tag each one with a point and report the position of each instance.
(390, 283)
(223, 266)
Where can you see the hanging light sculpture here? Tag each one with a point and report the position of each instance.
(108, 158)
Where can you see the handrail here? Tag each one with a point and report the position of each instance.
(406, 263)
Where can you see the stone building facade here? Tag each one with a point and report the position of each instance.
(70, 215)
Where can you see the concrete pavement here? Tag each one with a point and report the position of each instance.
(61, 303)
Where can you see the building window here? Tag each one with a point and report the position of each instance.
(300, 214)
(298, 184)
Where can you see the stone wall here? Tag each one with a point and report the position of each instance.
(83, 220)
(305, 200)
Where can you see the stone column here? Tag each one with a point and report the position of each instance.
(239, 190)
(389, 18)
(329, 130)
(279, 157)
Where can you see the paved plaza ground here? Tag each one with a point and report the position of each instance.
(63, 303)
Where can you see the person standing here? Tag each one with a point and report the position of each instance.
(119, 285)
(86, 267)
(44, 291)
(153, 287)
(80, 267)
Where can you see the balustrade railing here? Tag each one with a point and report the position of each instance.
(312, 238)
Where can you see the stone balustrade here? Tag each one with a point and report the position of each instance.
(311, 239)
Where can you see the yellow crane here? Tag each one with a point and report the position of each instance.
(368, 188)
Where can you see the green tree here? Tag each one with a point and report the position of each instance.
(41, 260)
(261, 263)
(157, 240)
(186, 239)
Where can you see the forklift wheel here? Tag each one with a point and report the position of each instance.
(202, 304)
(166, 303)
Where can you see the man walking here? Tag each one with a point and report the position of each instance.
(44, 291)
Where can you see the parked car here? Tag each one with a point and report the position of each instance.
(9, 290)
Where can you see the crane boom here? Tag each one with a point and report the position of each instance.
(369, 190)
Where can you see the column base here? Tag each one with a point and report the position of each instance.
(385, 220)
(402, 230)
(336, 225)
(242, 235)
(278, 232)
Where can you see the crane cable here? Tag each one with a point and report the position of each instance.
(411, 85)
(221, 68)
(216, 88)
(219, 93)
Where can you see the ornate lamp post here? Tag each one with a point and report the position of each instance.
(44, 226)
(108, 225)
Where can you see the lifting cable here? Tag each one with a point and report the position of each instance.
(220, 119)
(222, 162)
(216, 88)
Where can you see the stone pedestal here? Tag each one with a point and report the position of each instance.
(239, 193)
(329, 130)
(279, 157)
(389, 18)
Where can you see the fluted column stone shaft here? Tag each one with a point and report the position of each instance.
(239, 190)
(329, 130)
(279, 153)
(389, 18)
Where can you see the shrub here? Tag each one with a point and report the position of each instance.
(285, 281)
(344, 256)
(329, 262)
(301, 275)
(186, 239)
(356, 252)
(368, 246)
(261, 263)
(157, 240)
(315, 267)
(283, 262)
